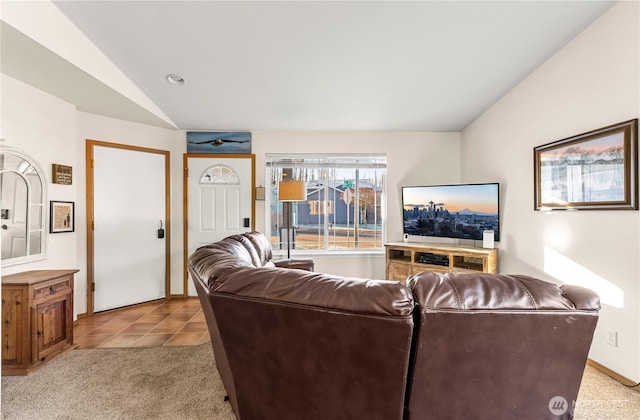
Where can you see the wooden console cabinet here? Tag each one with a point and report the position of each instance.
(37, 318)
(406, 258)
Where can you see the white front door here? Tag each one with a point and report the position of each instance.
(219, 199)
(129, 205)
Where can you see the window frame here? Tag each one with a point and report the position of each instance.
(276, 162)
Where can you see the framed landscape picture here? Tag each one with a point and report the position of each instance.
(591, 171)
(219, 142)
(61, 216)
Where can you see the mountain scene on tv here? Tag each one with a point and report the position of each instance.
(463, 212)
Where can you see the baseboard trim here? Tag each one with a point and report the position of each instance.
(615, 375)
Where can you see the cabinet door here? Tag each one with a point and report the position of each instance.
(13, 330)
(50, 326)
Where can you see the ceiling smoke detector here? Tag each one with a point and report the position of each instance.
(174, 79)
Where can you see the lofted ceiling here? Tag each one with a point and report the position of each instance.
(322, 65)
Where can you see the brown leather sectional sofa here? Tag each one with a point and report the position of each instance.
(294, 344)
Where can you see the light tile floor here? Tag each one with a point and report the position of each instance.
(177, 322)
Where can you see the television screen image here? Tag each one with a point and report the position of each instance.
(462, 211)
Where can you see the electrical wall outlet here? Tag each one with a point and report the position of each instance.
(612, 338)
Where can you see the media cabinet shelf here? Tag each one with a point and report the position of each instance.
(405, 259)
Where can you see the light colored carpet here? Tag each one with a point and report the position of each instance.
(181, 383)
(604, 398)
(122, 383)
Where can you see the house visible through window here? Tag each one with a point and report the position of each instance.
(344, 206)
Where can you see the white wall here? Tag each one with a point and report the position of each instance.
(412, 159)
(591, 83)
(43, 127)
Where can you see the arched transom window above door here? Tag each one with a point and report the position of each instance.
(219, 174)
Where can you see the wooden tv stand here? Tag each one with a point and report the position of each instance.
(407, 258)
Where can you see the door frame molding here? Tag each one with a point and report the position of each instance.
(185, 201)
(90, 144)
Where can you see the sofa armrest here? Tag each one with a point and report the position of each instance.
(582, 298)
(298, 263)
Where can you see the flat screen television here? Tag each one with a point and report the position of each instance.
(462, 211)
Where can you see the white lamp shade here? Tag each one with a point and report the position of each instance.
(292, 191)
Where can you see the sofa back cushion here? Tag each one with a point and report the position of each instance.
(491, 346)
(308, 345)
(251, 249)
(254, 247)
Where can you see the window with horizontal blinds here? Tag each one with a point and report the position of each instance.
(344, 207)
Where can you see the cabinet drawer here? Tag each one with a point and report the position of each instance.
(53, 287)
(398, 271)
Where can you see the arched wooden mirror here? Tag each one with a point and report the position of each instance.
(22, 208)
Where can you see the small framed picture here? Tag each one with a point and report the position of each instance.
(62, 216)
